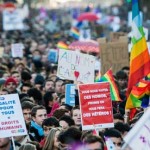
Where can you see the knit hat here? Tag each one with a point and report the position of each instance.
(10, 79)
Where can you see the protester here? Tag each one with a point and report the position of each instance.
(65, 122)
(93, 142)
(76, 116)
(52, 142)
(38, 114)
(28, 146)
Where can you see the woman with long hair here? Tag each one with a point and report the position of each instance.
(52, 142)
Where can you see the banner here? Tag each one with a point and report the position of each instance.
(114, 54)
(11, 117)
(17, 50)
(70, 94)
(96, 106)
(12, 20)
(73, 65)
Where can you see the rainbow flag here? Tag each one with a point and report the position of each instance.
(75, 33)
(108, 77)
(98, 77)
(137, 94)
(139, 57)
(62, 45)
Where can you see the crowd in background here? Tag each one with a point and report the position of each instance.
(52, 124)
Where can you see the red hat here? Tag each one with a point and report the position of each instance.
(10, 79)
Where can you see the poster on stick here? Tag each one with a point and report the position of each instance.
(96, 106)
(11, 117)
(76, 66)
(114, 54)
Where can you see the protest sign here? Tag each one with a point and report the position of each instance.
(11, 117)
(114, 36)
(85, 35)
(96, 106)
(70, 94)
(139, 136)
(1, 51)
(73, 65)
(114, 54)
(53, 56)
(17, 50)
(12, 20)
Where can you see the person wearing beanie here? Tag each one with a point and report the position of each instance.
(11, 85)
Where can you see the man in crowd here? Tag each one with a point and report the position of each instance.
(38, 114)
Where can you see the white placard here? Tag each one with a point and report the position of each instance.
(12, 20)
(17, 50)
(74, 65)
(139, 136)
(11, 117)
(85, 35)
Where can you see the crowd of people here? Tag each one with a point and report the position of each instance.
(51, 123)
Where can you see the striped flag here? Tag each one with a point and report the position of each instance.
(75, 33)
(108, 77)
(62, 45)
(139, 58)
(137, 94)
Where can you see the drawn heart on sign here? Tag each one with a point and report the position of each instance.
(76, 74)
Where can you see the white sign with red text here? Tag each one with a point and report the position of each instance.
(11, 117)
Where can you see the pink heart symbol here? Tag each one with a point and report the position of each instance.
(76, 74)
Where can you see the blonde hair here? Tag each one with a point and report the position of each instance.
(27, 146)
(49, 143)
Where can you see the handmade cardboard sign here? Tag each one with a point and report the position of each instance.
(114, 54)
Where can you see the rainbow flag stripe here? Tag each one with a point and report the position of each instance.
(75, 33)
(62, 45)
(108, 77)
(138, 92)
(139, 58)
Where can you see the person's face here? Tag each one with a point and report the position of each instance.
(3, 92)
(64, 125)
(11, 86)
(122, 82)
(76, 117)
(47, 129)
(4, 142)
(40, 116)
(94, 146)
(49, 86)
(25, 89)
(62, 101)
(58, 88)
(56, 142)
(117, 142)
(17, 77)
(27, 115)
